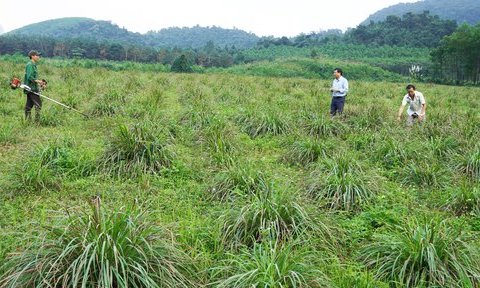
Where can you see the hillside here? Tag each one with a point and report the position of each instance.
(78, 27)
(101, 31)
(462, 11)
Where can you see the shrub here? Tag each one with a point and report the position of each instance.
(102, 249)
(431, 253)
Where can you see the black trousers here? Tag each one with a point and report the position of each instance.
(33, 100)
(337, 105)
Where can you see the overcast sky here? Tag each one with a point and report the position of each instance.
(262, 17)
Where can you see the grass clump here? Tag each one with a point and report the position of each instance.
(51, 163)
(304, 152)
(428, 253)
(470, 165)
(267, 210)
(342, 183)
(238, 180)
(136, 150)
(99, 249)
(464, 200)
(272, 264)
(262, 123)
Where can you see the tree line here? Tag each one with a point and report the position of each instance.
(455, 56)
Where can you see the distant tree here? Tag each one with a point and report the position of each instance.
(414, 30)
(116, 52)
(181, 65)
(457, 59)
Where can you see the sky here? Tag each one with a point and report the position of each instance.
(262, 17)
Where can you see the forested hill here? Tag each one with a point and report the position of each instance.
(77, 27)
(197, 36)
(101, 31)
(462, 11)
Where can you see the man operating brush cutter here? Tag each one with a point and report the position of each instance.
(16, 83)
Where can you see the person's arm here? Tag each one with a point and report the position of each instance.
(422, 113)
(400, 111)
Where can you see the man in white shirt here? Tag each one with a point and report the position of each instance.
(339, 91)
(416, 106)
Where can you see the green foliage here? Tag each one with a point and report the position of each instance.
(424, 174)
(470, 164)
(268, 211)
(99, 249)
(428, 31)
(181, 65)
(320, 125)
(271, 264)
(51, 163)
(342, 184)
(136, 150)
(424, 253)
(303, 152)
(464, 200)
(262, 123)
(238, 180)
(456, 58)
(458, 10)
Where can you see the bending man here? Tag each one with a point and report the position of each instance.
(416, 106)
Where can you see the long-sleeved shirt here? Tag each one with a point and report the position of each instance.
(341, 84)
(31, 75)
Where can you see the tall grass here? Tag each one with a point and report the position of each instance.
(305, 151)
(268, 210)
(261, 123)
(424, 174)
(238, 180)
(53, 162)
(424, 253)
(271, 264)
(342, 184)
(464, 199)
(136, 150)
(100, 249)
(470, 164)
(320, 125)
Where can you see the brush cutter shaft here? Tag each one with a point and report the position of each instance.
(25, 87)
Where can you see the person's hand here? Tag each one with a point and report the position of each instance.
(399, 118)
(43, 84)
(333, 89)
(420, 117)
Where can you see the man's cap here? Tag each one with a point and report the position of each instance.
(34, 53)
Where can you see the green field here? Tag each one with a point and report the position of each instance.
(246, 178)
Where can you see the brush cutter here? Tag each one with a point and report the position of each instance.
(16, 83)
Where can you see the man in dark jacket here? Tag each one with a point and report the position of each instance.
(32, 81)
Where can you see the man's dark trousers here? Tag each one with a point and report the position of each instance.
(337, 105)
(33, 100)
